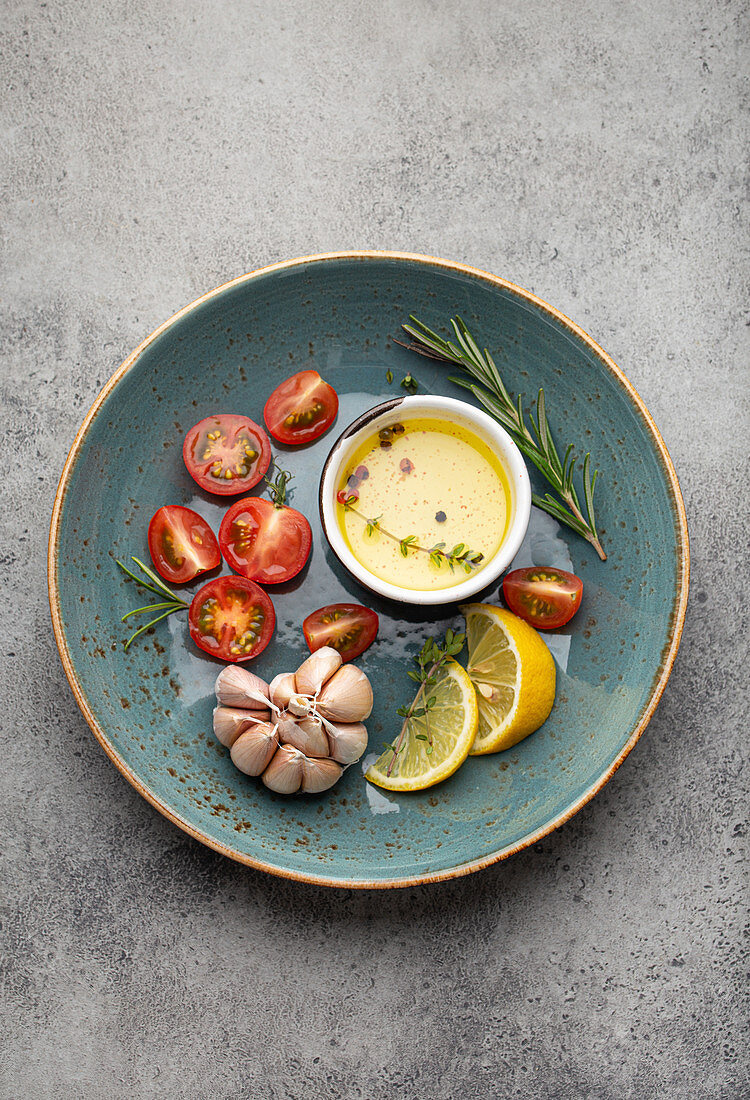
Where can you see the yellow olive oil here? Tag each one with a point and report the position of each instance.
(433, 483)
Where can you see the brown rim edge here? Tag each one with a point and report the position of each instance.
(668, 655)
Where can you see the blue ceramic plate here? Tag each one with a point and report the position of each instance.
(150, 707)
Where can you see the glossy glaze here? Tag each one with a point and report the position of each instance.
(151, 707)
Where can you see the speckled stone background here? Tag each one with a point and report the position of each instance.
(590, 150)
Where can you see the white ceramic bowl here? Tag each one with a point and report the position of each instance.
(442, 408)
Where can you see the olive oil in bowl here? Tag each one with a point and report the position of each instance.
(434, 484)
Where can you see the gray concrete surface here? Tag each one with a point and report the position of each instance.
(592, 151)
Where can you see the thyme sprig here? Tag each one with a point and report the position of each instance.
(429, 661)
(460, 555)
(537, 444)
(166, 606)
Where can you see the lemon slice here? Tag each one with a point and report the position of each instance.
(448, 729)
(513, 673)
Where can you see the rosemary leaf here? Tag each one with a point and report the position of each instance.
(554, 509)
(588, 490)
(150, 607)
(138, 580)
(153, 622)
(158, 582)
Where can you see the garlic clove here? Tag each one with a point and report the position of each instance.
(319, 667)
(284, 773)
(253, 749)
(300, 705)
(319, 775)
(230, 722)
(348, 740)
(281, 689)
(236, 687)
(306, 734)
(347, 697)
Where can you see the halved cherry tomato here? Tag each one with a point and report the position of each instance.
(347, 627)
(301, 408)
(231, 618)
(263, 542)
(181, 543)
(226, 453)
(543, 596)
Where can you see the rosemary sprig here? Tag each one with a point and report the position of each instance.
(167, 607)
(429, 662)
(460, 554)
(277, 487)
(538, 445)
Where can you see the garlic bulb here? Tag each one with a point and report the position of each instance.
(229, 722)
(236, 687)
(319, 775)
(306, 734)
(347, 740)
(281, 689)
(319, 667)
(300, 732)
(253, 749)
(284, 773)
(347, 697)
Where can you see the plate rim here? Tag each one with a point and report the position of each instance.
(669, 651)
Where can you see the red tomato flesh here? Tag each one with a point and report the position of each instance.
(301, 408)
(347, 627)
(545, 597)
(263, 542)
(226, 453)
(181, 544)
(231, 618)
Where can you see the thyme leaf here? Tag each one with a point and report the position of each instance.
(429, 661)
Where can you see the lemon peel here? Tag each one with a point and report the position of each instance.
(513, 673)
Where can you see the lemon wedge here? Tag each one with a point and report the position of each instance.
(513, 673)
(435, 744)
